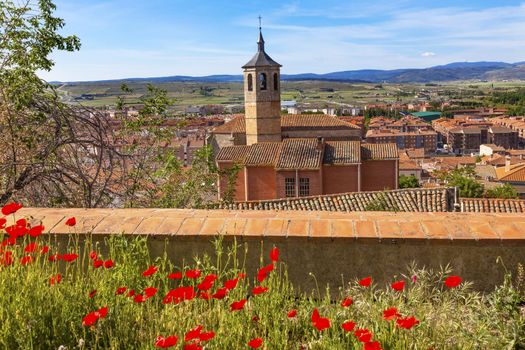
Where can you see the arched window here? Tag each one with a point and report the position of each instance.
(262, 81)
(275, 81)
(250, 82)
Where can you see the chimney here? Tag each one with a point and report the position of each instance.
(507, 164)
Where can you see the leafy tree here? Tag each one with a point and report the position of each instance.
(505, 191)
(408, 181)
(54, 154)
(464, 179)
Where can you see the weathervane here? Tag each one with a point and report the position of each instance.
(260, 22)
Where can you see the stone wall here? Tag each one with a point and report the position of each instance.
(333, 247)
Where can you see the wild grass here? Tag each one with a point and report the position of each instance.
(37, 315)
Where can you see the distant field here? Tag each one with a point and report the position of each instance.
(316, 92)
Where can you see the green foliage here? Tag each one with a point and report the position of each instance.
(37, 315)
(504, 191)
(464, 179)
(381, 203)
(408, 181)
(29, 34)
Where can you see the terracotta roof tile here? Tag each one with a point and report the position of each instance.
(516, 173)
(342, 152)
(300, 154)
(290, 122)
(263, 154)
(379, 151)
(233, 154)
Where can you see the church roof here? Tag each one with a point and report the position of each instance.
(261, 58)
(290, 122)
(306, 153)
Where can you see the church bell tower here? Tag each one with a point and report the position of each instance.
(262, 97)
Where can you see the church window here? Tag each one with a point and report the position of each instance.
(250, 82)
(275, 81)
(304, 187)
(289, 187)
(262, 81)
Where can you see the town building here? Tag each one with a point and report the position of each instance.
(265, 155)
(465, 135)
(411, 139)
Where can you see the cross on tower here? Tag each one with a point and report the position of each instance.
(260, 21)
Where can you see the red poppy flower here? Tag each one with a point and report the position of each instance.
(207, 283)
(237, 305)
(390, 314)
(167, 342)
(373, 345)
(6, 258)
(11, 208)
(348, 326)
(241, 275)
(263, 272)
(347, 302)
(322, 323)
(366, 282)
(407, 322)
(150, 271)
(149, 292)
(178, 295)
(319, 322)
(231, 284)
(453, 281)
(55, 279)
(274, 254)
(31, 247)
(97, 263)
(102, 312)
(69, 257)
(21, 222)
(26, 260)
(175, 276)
(193, 273)
(55, 257)
(93, 255)
(206, 336)
(131, 293)
(259, 290)
(120, 291)
(3, 221)
(193, 333)
(36, 231)
(192, 346)
(220, 293)
(363, 335)
(92, 293)
(108, 264)
(90, 319)
(399, 285)
(139, 298)
(71, 222)
(206, 295)
(255, 343)
(9, 241)
(44, 250)
(292, 313)
(315, 315)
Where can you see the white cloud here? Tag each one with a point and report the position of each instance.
(428, 54)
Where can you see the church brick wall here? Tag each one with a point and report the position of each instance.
(378, 175)
(340, 179)
(261, 183)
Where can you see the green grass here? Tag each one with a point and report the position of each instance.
(37, 315)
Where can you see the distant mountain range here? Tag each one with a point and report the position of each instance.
(490, 71)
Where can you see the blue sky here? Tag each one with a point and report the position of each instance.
(147, 38)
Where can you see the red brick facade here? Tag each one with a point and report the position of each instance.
(378, 175)
(265, 183)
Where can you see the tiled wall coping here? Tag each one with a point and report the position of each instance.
(284, 224)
